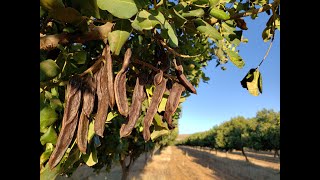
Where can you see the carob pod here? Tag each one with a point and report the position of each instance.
(107, 56)
(69, 121)
(103, 100)
(120, 86)
(173, 102)
(135, 109)
(152, 110)
(88, 97)
(183, 79)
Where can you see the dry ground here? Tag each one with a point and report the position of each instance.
(188, 163)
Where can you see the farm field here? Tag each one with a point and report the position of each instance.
(184, 163)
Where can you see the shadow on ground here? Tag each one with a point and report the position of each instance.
(235, 169)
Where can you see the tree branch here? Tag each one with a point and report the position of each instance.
(137, 61)
(249, 12)
(98, 32)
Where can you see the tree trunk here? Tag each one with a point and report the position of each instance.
(244, 154)
(125, 168)
(276, 153)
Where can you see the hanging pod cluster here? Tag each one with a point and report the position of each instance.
(98, 84)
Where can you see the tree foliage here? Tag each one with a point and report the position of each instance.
(261, 132)
(176, 38)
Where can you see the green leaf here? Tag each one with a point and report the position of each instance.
(67, 15)
(46, 154)
(56, 104)
(156, 134)
(194, 13)
(90, 131)
(159, 122)
(47, 117)
(111, 115)
(158, 15)
(207, 29)
(182, 6)
(123, 9)
(178, 19)
(91, 159)
(48, 174)
(267, 34)
(50, 136)
(87, 7)
(80, 57)
(51, 4)
(253, 85)
(260, 82)
(173, 40)
(219, 14)
(213, 3)
(162, 105)
(147, 21)
(119, 35)
(247, 78)
(235, 58)
(42, 11)
(48, 70)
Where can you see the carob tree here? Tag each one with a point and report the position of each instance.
(113, 74)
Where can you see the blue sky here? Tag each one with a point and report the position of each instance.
(223, 97)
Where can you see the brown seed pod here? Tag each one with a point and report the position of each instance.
(173, 102)
(120, 86)
(152, 110)
(88, 97)
(135, 109)
(183, 79)
(241, 24)
(106, 53)
(158, 78)
(69, 121)
(103, 100)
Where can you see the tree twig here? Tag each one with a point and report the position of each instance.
(249, 12)
(137, 61)
(99, 32)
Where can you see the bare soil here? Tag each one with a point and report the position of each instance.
(189, 163)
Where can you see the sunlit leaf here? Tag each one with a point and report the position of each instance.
(178, 19)
(219, 14)
(159, 122)
(48, 70)
(162, 105)
(111, 115)
(253, 85)
(235, 58)
(47, 117)
(46, 154)
(213, 3)
(194, 13)
(50, 136)
(173, 40)
(207, 29)
(260, 82)
(156, 134)
(119, 35)
(123, 9)
(147, 21)
(91, 132)
(91, 158)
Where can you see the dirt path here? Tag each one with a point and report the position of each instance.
(188, 163)
(171, 164)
